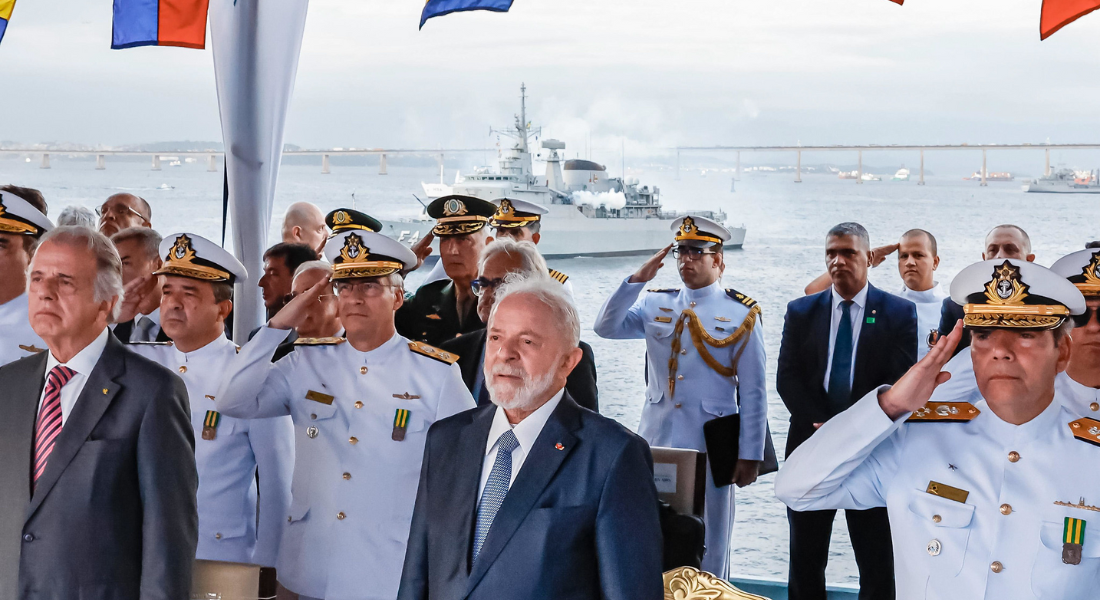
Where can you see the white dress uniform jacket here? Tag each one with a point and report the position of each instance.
(229, 462)
(929, 304)
(18, 339)
(701, 394)
(1004, 542)
(1081, 400)
(354, 485)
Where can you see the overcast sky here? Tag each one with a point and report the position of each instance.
(650, 72)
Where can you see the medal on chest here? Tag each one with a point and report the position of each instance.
(210, 425)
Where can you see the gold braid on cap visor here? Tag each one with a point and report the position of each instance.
(698, 235)
(1031, 316)
(459, 225)
(193, 271)
(370, 268)
(14, 225)
(500, 220)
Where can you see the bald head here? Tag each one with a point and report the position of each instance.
(305, 224)
(1007, 241)
(123, 211)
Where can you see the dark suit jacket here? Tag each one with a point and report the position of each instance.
(123, 330)
(951, 313)
(580, 521)
(884, 352)
(114, 514)
(431, 315)
(581, 384)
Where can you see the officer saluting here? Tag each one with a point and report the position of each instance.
(21, 224)
(361, 406)
(522, 221)
(196, 292)
(444, 309)
(705, 347)
(1079, 384)
(989, 499)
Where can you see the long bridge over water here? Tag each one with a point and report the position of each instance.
(798, 150)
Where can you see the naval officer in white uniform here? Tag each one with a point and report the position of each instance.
(988, 499)
(1079, 384)
(196, 292)
(361, 406)
(705, 348)
(20, 227)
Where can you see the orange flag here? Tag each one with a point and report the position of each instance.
(1059, 13)
(898, 2)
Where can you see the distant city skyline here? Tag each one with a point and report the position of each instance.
(640, 75)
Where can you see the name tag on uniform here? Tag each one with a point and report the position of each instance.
(663, 319)
(400, 423)
(319, 397)
(945, 491)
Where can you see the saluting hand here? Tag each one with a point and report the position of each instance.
(423, 248)
(295, 312)
(649, 269)
(914, 388)
(878, 255)
(133, 294)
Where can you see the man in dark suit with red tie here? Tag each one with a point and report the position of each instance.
(97, 465)
(837, 346)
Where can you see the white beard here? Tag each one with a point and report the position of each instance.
(521, 398)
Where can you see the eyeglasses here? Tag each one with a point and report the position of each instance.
(690, 252)
(119, 210)
(1083, 319)
(482, 284)
(369, 289)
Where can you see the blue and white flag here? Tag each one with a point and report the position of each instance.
(438, 8)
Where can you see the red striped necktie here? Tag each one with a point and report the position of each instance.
(49, 418)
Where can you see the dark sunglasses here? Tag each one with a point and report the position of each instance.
(1083, 319)
(481, 284)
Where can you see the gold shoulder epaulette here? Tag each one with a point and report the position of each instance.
(738, 296)
(1087, 430)
(150, 343)
(433, 352)
(944, 412)
(665, 291)
(558, 275)
(323, 341)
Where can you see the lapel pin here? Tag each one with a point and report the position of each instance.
(559, 446)
(104, 391)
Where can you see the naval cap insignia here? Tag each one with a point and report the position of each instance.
(506, 207)
(688, 226)
(340, 217)
(1006, 287)
(182, 249)
(454, 207)
(353, 248)
(1092, 270)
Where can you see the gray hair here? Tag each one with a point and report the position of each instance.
(312, 265)
(77, 216)
(550, 293)
(108, 266)
(850, 228)
(146, 236)
(530, 260)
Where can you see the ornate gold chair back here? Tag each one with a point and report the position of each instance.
(689, 583)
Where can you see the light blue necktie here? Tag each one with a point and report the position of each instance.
(495, 489)
(840, 373)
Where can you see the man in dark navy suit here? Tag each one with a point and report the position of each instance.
(533, 497)
(837, 346)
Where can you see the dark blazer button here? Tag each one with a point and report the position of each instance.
(28, 538)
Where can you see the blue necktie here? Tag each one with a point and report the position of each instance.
(495, 489)
(840, 374)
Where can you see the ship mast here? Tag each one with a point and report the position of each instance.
(521, 120)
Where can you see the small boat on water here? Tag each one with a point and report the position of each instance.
(870, 177)
(848, 175)
(993, 176)
(901, 175)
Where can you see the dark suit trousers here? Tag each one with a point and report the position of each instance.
(870, 533)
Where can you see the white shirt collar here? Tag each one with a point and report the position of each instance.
(527, 430)
(860, 299)
(704, 292)
(934, 294)
(86, 359)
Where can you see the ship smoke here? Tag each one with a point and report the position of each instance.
(610, 200)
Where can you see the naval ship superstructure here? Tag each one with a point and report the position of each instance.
(591, 213)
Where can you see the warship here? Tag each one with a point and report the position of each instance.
(591, 213)
(1066, 181)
